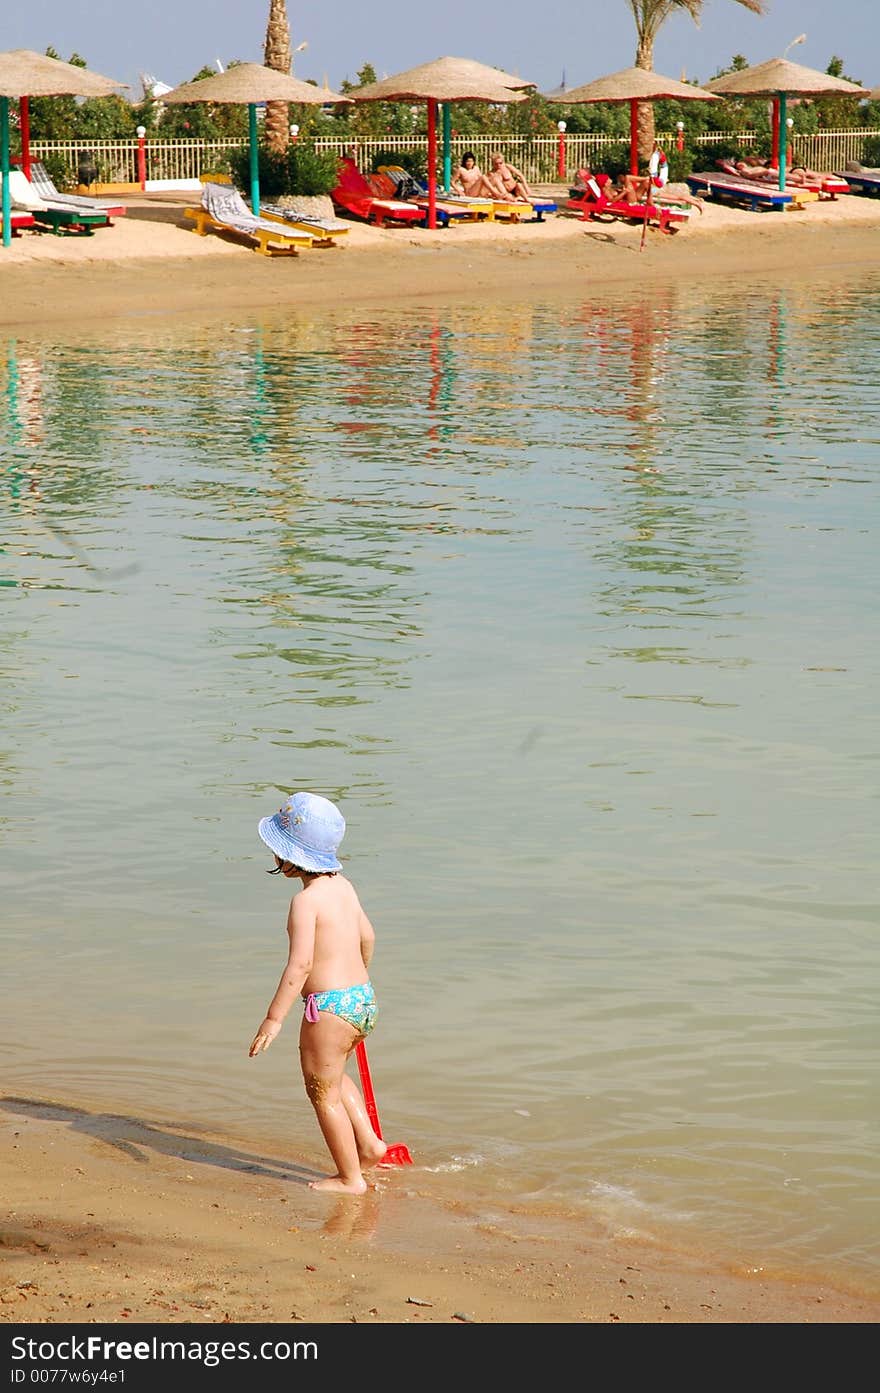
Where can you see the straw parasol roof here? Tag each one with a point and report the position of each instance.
(779, 75)
(24, 73)
(251, 83)
(447, 80)
(636, 84)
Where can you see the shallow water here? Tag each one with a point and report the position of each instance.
(572, 607)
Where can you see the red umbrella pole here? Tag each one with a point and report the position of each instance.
(24, 121)
(397, 1154)
(432, 163)
(633, 137)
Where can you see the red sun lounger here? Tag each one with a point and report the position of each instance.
(353, 195)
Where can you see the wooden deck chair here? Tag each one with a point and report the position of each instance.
(60, 220)
(224, 210)
(79, 203)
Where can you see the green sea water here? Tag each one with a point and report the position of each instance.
(571, 606)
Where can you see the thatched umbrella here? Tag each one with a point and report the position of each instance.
(636, 85)
(778, 79)
(24, 74)
(445, 80)
(251, 84)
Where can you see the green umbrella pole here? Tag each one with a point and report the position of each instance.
(447, 145)
(4, 166)
(255, 159)
(783, 140)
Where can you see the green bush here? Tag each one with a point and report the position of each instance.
(681, 163)
(301, 170)
(871, 153)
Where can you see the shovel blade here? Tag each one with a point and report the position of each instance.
(397, 1155)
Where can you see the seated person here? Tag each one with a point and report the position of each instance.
(635, 188)
(470, 181)
(509, 180)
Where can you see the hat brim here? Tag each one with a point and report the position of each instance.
(289, 849)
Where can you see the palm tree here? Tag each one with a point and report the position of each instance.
(650, 16)
(277, 55)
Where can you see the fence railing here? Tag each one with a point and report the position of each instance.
(537, 156)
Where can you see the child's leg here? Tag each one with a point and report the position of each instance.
(371, 1148)
(324, 1046)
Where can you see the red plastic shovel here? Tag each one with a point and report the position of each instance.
(398, 1154)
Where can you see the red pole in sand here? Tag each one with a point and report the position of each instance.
(432, 163)
(560, 151)
(142, 158)
(633, 137)
(24, 117)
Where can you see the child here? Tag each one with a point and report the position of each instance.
(331, 944)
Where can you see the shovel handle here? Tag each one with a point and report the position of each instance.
(367, 1086)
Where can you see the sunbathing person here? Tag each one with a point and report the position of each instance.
(470, 181)
(510, 181)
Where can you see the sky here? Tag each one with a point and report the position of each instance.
(570, 40)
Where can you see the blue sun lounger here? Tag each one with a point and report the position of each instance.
(863, 180)
(756, 196)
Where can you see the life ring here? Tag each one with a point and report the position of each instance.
(658, 168)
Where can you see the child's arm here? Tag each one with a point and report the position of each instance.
(301, 932)
(368, 939)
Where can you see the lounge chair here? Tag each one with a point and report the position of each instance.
(224, 210)
(469, 209)
(324, 231)
(388, 182)
(42, 182)
(353, 195)
(752, 192)
(861, 178)
(828, 186)
(60, 220)
(595, 201)
(19, 220)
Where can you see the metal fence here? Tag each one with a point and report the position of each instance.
(536, 156)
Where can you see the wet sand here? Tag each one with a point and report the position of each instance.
(119, 1219)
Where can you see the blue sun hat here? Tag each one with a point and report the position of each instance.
(306, 831)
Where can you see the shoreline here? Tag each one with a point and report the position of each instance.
(113, 1218)
(150, 262)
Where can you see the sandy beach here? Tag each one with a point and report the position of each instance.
(122, 1219)
(152, 262)
(112, 1218)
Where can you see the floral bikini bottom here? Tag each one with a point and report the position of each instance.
(357, 1005)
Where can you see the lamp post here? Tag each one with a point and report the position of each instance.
(142, 158)
(560, 150)
(294, 132)
(679, 136)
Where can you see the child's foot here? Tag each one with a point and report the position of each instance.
(336, 1185)
(374, 1153)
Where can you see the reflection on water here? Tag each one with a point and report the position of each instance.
(570, 606)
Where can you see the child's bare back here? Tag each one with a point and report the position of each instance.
(339, 928)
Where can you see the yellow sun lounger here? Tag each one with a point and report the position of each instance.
(224, 210)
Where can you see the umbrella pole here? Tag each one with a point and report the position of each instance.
(432, 163)
(774, 143)
(633, 137)
(255, 160)
(783, 134)
(447, 145)
(24, 121)
(4, 167)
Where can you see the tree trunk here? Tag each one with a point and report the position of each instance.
(277, 55)
(645, 59)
